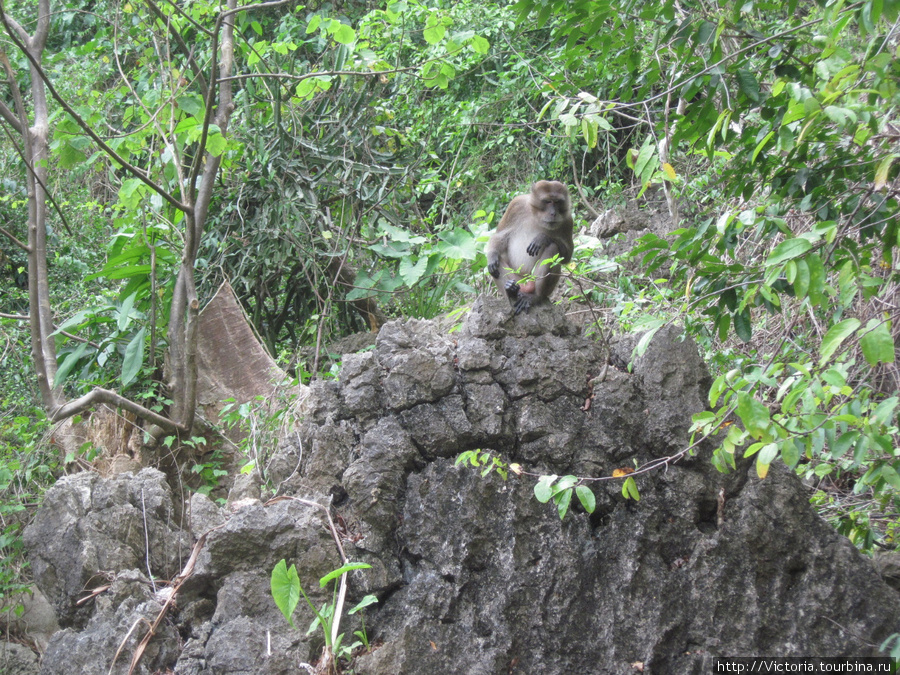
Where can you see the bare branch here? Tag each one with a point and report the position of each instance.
(8, 115)
(100, 395)
(249, 8)
(18, 243)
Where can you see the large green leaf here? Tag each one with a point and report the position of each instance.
(753, 414)
(786, 250)
(877, 344)
(134, 357)
(835, 336)
(285, 585)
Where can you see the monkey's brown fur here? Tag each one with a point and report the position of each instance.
(535, 227)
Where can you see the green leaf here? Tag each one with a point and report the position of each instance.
(411, 273)
(285, 585)
(192, 104)
(458, 244)
(629, 489)
(343, 569)
(843, 443)
(644, 342)
(884, 412)
(124, 317)
(881, 171)
(586, 497)
(835, 336)
(563, 499)
(761, 145)
(134, 357)
(788, 249)
(480, 45)
(748, 85)
(890, 475)
(69, 155)
(801, 282)
(877, 344)
(742, 325)
(816, 278)
(790, 453)
(69, 363)
(216, 144)
(642, 166)
(542, 490)
(434, 34)
(342, 33)
(753, 414)
(362, 604)
(564, 483)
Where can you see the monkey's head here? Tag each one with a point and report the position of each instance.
(550, 201)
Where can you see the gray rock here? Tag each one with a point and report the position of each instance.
(16, 659)
(473, 575)
(90, 527)
(119, 622)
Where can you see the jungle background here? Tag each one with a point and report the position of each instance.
(342, 164)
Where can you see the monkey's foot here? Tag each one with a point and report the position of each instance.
(523, 303)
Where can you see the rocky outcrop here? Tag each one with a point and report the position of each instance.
(473, 575)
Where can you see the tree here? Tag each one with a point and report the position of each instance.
(159, 126)
(195, 140)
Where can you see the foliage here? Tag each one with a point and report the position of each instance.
(776, 126)
(286, 591)
(27, 466)
(260, 423)
(547, 487)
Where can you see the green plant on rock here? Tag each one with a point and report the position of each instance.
(286, 591)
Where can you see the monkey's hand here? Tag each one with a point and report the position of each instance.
(494, 265)
(512, 290)
(538, 244)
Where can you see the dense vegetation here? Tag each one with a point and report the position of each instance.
(342, 164)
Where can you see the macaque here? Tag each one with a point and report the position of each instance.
(535, 228)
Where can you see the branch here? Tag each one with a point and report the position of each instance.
(261, 5)
(30, 167)
(188, 53)
(21, 245)
(133, 170)
(109, 397)
(20, 125)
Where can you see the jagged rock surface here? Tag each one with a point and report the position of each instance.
(474, 575)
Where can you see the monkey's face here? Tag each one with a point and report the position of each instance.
(550, 201)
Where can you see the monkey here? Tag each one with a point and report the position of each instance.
(535, 228)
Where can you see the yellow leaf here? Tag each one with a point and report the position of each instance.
(516, 469)
(762, 470)
(670, 172)
(881, 172)
(618, 473)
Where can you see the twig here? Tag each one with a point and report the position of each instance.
(147, 542)
(177, 582)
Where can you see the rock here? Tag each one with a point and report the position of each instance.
(474, 575)
(37, 619)
(16, 659)
(118, 622)
(90, 527)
